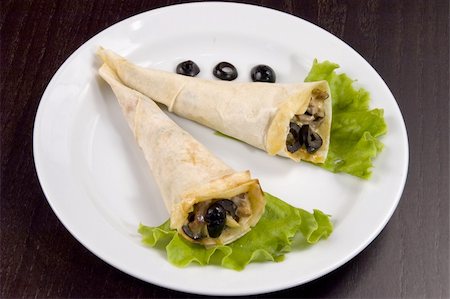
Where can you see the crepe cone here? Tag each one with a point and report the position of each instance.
(256, 113)
(185, 171)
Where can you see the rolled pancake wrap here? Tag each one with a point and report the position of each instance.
(256, 113)
(185, 171)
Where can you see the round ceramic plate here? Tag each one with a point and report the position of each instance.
(97, 181)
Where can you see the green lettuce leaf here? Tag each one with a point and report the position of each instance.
(269, 240)
(354, 128)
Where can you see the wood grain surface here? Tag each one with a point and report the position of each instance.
(407, 42)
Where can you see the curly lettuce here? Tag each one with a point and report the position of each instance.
(354, 128)
(281, 229)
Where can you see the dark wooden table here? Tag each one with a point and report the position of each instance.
(407, 42)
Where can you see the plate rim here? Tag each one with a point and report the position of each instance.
(329, 269)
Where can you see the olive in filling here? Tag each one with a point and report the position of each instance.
(215, 218)
(302, 128)
(294, 141)
(210, 218)
(313, 141)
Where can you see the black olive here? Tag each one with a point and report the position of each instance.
(304, 131)
(190, 234)
(263, 73)
(230, 207)
(294, 141)
(215, 218)
(225, 71)
(188, 68)
(313, 141)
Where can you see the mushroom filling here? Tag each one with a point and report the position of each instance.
(210, 218)
(303, 128)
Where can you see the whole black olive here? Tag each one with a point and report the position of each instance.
(294, 141)
(215, 218)
(263, 73)
(230, 207)
(225, 71)
(313, 141)
(188, 68)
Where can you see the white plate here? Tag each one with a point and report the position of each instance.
(97, 182)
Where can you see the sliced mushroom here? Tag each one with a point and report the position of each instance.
(231, 222)
(306, 118)
(320, 94)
